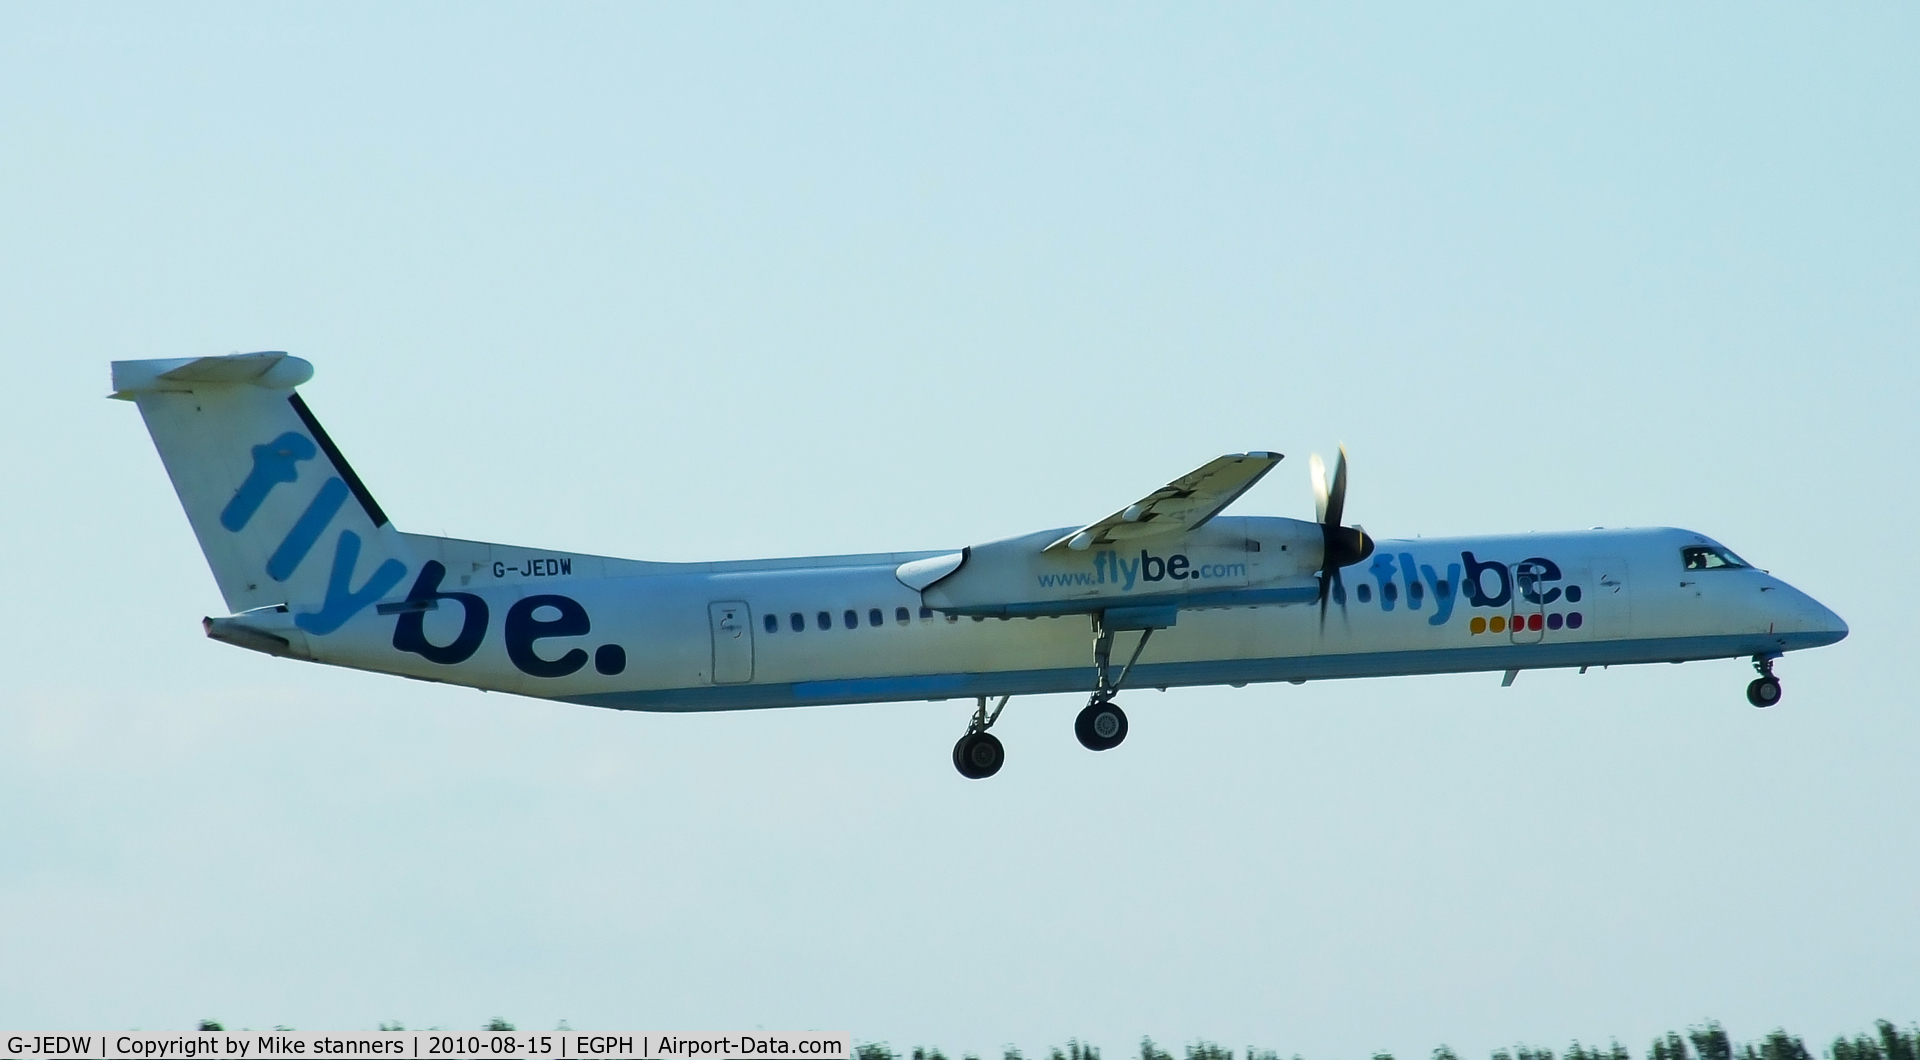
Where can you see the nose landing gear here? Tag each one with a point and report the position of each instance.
(1764, 691)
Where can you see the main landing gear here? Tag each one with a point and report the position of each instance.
(1102, 725)
(1764, 691)
(979, 755)
(1099, 727)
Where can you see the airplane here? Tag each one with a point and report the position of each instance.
(311, 568)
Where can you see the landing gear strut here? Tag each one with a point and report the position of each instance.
(1764, 691)
(1102, 725)
(979, 755)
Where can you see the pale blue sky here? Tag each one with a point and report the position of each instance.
(706, 282)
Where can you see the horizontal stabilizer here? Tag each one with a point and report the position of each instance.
(269, 630)
(271, 369)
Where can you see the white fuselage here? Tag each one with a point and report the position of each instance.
(690, 637)
(311, 567)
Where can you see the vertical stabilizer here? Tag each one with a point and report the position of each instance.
(281, 516)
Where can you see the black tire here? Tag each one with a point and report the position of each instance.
(1764, 691)
(979, 755)
(1101, 726)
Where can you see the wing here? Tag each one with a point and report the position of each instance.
(1184, 504)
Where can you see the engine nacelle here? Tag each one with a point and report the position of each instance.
(1229, 562)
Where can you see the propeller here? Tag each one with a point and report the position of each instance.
(1344, 545)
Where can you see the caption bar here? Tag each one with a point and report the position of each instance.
(428, 1045)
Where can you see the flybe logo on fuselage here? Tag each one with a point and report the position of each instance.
(279, 463)
(1531, 585)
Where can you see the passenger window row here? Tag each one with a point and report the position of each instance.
(849, 619)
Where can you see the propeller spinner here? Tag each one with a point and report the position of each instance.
(1344, 545)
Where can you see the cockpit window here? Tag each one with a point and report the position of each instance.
(1705, 557)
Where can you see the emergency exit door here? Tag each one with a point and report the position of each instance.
(732, 626)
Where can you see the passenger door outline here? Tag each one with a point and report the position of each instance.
(731, 623)
(1527, 618)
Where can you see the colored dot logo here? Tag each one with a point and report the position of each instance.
(1522, 623)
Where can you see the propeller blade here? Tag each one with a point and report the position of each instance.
(1332, 585)
(1317, 475)
(1336, 500)
(1343, 546)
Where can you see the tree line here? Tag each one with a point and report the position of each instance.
(1710, 1042)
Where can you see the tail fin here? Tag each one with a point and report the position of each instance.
(281, 517)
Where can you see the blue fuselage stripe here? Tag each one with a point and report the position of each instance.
(1210, 672)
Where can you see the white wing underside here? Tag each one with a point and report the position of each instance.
(1184, 504)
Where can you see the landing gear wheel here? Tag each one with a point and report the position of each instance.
(978, 755)
(1765, 691)
(1101, 726)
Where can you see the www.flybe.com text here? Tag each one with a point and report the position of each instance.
(1109, 568)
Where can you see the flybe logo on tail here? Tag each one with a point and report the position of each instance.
(278, 463)
(273, 463)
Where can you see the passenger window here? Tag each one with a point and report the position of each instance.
(824, 620)
(1364, 592)
(953, 617)
(873, 616)
(851, 618)
(772, 622)
(798, 622)
(926, 612)
(1701, 557)
(901, 615)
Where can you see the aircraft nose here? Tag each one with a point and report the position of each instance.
(1809, 621)
(1830, 624)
